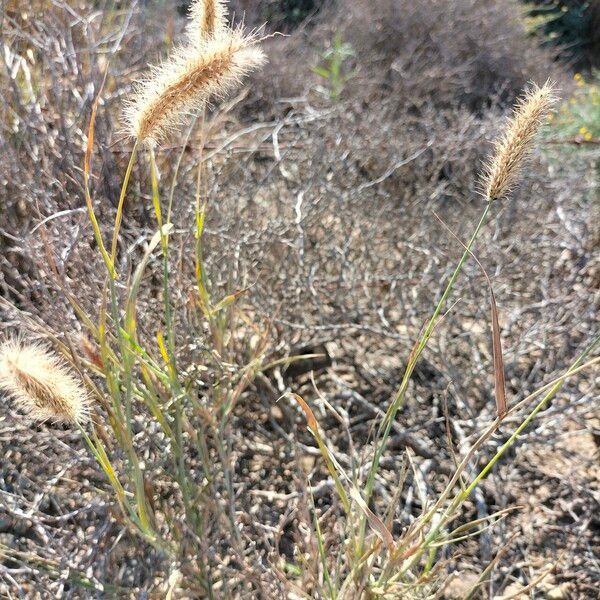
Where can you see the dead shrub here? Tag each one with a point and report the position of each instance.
(463, 53)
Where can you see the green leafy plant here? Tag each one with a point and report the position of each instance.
(579, 117)
(333, 67)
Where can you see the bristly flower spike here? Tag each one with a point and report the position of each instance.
(187, 80)
(207, 19)
(511, 151)
(40, 383)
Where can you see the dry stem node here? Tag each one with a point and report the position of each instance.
(40, 383)
(514, 146)
(186, 81)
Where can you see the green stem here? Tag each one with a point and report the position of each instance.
(386, 425)
(179, 393)
(461, 497)
(119, 215)
(513, 438)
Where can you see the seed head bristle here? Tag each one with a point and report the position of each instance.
(187, 80)
(512, 149)
(40, 383)
(207, 18)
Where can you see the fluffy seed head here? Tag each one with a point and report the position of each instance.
(512, 149)
(206, 20)
(40, 383)
(187, 80)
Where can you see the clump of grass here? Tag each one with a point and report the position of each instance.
(137, 377)
(40, 382)
(511, 151)
(379, 565)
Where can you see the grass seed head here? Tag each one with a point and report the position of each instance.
(207, 19)
(40, 383)
(512, 149)
(184, 83)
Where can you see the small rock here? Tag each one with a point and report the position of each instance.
(459, 585)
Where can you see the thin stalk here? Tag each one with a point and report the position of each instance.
(87, 168)
(119, 215)
(96, 228)
(321, 549)
(462, 496)
(512, 439)
(388, 420)
(176, 172)
(169, 348)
